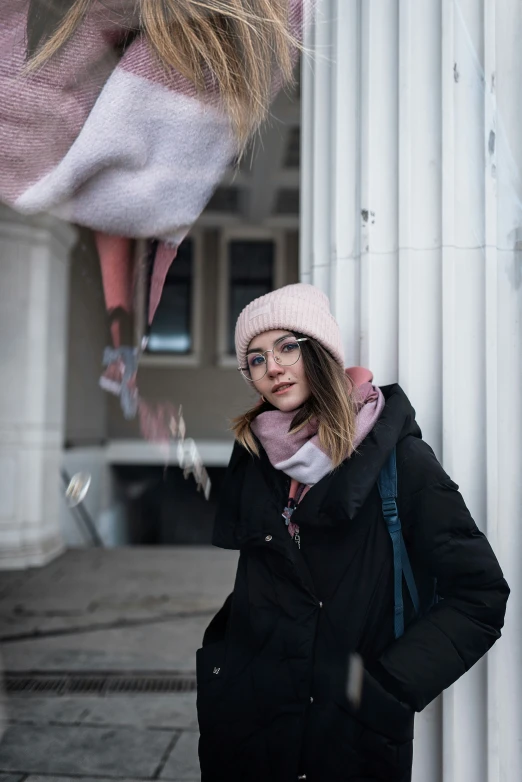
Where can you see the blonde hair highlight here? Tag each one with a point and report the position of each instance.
(240, 44)
(331, 403)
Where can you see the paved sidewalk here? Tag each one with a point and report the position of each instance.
(134, 611)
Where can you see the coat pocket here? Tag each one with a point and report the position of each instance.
(382, 713)
(384, 744)
(210, 660)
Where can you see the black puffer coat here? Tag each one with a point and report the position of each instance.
(272, 669)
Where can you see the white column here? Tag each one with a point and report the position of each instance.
(464, 441)
(33, 344)
(503, 174)
(417, 159)
(379, 186)
(419, 273)
(345, 165)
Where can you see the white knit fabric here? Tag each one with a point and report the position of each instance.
(308, 461)
(300, 307)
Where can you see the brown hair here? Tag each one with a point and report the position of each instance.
(241, 44)
(330, 402)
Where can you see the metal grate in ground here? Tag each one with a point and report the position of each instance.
(113, 683)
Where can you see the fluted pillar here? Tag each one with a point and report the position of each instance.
(33, 346)
(411, 215)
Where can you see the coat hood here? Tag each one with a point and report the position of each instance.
(350, 484)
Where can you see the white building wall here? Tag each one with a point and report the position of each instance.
(412, 223)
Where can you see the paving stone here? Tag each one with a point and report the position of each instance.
(111, 752)
(11, 579)
(175, 710)
(165, 646)
(14, 627)
(183, 762)
(28, 708)
(78, 588)
(125, 737)
(37, 778)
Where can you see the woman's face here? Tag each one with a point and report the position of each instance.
(285, 387)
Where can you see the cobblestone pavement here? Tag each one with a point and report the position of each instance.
(104, 614)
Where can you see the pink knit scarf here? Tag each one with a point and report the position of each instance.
(300, 455)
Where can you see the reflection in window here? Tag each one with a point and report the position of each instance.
(251, 274)
(170, 331)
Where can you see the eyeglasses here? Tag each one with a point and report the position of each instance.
(286, 351)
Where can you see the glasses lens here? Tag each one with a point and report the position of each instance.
(256, 366)
(287, 352)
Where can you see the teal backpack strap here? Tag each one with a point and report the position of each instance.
(387, 483)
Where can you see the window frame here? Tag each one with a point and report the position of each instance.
(227, 360)
(172, 360)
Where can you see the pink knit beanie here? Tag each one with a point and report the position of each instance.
(298, 307)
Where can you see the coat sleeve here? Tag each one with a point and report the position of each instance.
(445, 543)
(225, 533)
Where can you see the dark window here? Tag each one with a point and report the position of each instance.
(170, 331)
(251, 274)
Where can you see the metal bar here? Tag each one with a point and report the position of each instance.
(82, 512)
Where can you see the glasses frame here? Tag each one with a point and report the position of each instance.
(271, 350)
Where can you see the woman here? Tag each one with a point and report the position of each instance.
(315, 581)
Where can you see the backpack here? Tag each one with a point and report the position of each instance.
(387, 483)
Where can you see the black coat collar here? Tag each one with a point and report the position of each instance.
(346, 489)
